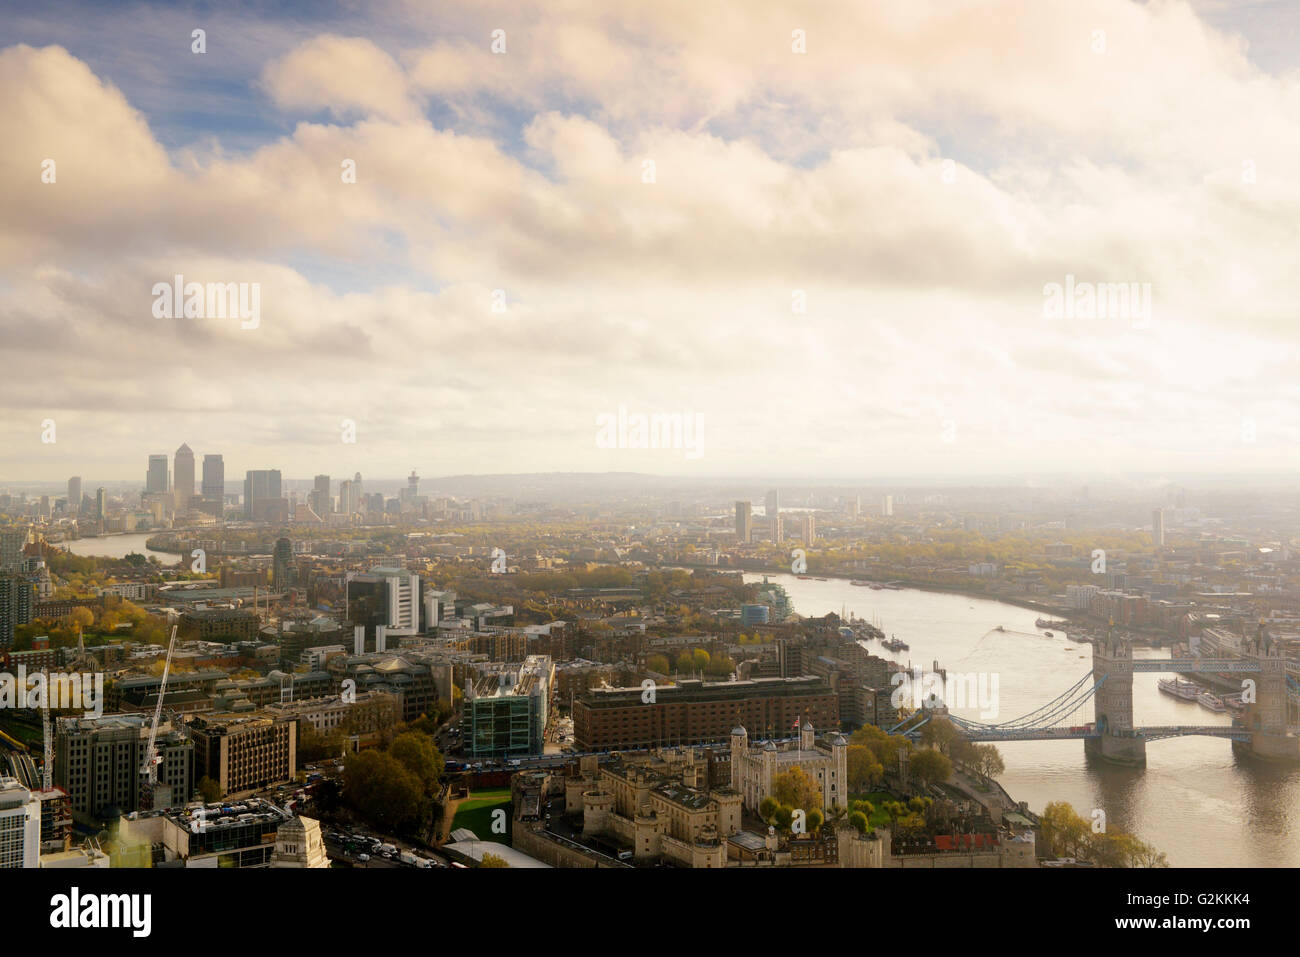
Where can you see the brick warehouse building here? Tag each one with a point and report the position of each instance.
(698, 712)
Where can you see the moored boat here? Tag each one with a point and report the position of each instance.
(1182, 690)
(1210, 702)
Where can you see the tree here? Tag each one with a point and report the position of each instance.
(208, 789)
(814, 820)
(783, 817)
(383, 790)
(796, 789)
(491, 860)
(314, 746)
(1064, 832)
(940, 733)
(82, 617)
(864, 770)
(657, 663)
(866, 807)
(418, 755)
(858, 821)
(963, 751)
(988, 762)
(883, 745)
(767, 808)
(930, 766)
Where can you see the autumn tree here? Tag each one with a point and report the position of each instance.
(930, 766)
(864, 770)
(796, 789)
(988, 762)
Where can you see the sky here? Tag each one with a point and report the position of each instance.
(835, 238)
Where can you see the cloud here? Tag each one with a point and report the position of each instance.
(918, 176)
(347, 76)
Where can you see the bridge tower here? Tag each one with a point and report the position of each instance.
(1112, 659)
(1266, 719)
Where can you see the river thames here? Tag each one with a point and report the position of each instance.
(118, 546)
(1195, 800)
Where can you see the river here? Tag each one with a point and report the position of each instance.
(1195, 800)
(117, 546)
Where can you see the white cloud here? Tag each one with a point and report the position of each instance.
(823, 172)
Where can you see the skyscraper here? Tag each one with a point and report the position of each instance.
(282, 564)
(1158, 527)
(772, 506)
(744, 521)
(74, 494)
(214, 484)
(887, 506)
(261, 493)
(101, 504)
(320, 501)
(12, 541)
(155, 479)
(183, 478)
(17, 600)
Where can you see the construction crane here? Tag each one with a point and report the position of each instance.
(149, 771)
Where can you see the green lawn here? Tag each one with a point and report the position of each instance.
(476, 813)
(877, 798)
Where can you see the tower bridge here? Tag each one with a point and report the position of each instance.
(1267, 730)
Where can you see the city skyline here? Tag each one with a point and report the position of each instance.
(841, 242)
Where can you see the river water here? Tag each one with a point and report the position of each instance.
(117, 546)
(1195, 800)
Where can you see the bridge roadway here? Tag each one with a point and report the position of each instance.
(1183, 665)
(1154, 733)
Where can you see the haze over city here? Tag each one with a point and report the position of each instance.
(454, 435)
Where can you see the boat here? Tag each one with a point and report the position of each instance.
(999, 628)
(1210, 702)
(861, 584)
(1233, 701)
(1182, 690)
(804, 578)
(893, 644)
(821, 579)
(1050, 635)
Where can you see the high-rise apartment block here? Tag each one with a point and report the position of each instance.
(20, 826)
(744, 521)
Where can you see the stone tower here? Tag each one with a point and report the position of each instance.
(1112, 660)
